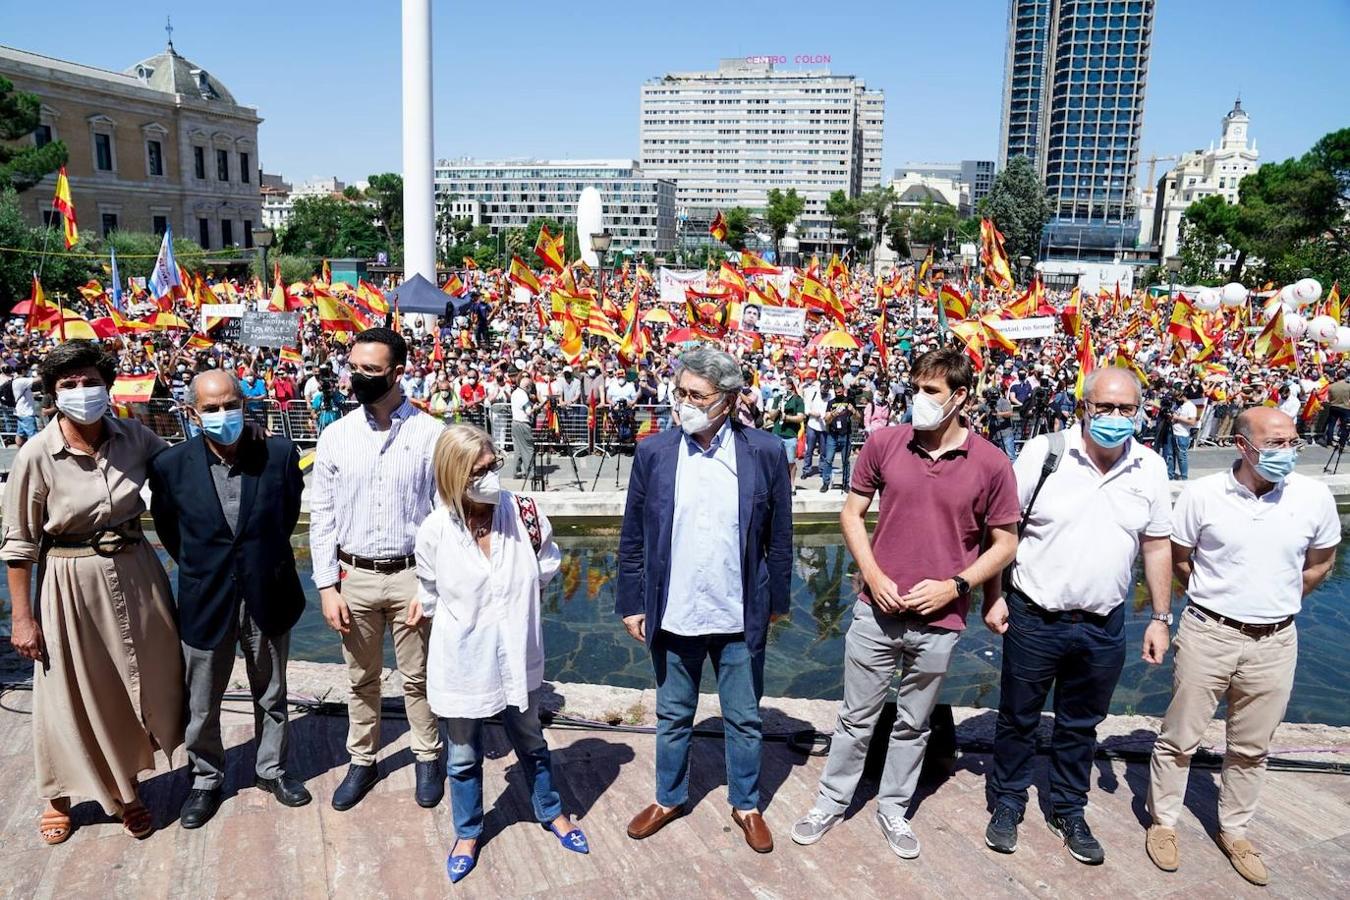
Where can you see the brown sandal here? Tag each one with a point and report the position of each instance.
(54, 827)
(137, 821)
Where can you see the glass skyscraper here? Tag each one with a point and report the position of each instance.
(1075, 74)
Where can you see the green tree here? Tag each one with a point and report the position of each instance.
(385, 192)
(61, 274)
(876, 206)
(1199, 251)
(933, 222)
(738, 226)
(531, 236)
(782, 210)
(23, 165)
(844, 216)
(897, 234)
(1018, 206)
(331, 226)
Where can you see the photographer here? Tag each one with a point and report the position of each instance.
(1184, 417)
(525, 408)
(838, 418)
(998, 415)
(326, 403)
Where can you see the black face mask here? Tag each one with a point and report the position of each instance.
(371, 389)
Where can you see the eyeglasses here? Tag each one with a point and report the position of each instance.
(1128, 410)
(494, 466)
(682, 394)
(1295, 444)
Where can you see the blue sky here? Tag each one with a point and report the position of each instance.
(539, 79)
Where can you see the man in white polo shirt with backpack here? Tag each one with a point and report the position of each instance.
(1248, 545)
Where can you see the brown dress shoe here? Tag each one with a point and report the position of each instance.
(757, 833)
(651, 820)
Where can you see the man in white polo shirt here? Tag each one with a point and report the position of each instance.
(1248, 545)
(1063, 619)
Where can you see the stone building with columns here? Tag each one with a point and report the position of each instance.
(161, 143)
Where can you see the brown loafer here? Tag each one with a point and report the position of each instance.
(757, 833)
(651, 820)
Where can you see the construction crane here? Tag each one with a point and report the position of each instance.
(1152, 167)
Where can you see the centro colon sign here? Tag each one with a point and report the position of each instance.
(799, 58)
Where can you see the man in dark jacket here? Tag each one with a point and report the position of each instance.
(225, 504)
(705, 564)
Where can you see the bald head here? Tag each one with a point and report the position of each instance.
(1263, 424)
(214, 390)
(1112, 384)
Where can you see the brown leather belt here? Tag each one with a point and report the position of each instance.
(384, 566)
(104, 542)
(1248, 628)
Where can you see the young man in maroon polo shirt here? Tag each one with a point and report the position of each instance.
(942, 488)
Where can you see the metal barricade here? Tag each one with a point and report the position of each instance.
(477, 415)
(300, 422)
(268, 414)
(162, 416)
(499, 420)
(622, 427)
(9, 424)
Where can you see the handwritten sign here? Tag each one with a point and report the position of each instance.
(269, 329)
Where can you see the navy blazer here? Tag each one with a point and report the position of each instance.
(765, 520)
(217, 568)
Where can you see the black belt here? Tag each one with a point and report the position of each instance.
(105, 542)
(1066, 615)
(1250, 629)
(388, 564)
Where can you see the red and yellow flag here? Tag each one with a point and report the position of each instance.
(994, 257)
(66, 207)
(453, 286)
(818, 295)
(326, 274)
(753, 264)
(732, 279)
(519, 274)
(549, 249)
(955, 305)
(718, 228)
(371, 298)
(1182, 324)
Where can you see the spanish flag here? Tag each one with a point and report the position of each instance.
(753, 264)
(955, 305)
(453, 286)
(879, 338)
(718, 228)
(327, 274)
(469, 263)
(520, 275)
(732, 279)
(66, 207)
(817, 295)
(291, 355)
(549, 250)
(1182, 323)
(836, 269)
(994, 257)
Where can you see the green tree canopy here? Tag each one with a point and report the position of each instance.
(23, 165)
(845, 215)
(385, 192)
(738, 226)
(1018, 206)
(876, 207)
(784, 208)
(331, 226)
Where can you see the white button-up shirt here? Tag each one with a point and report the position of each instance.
(486, 650)
(1250, 550)
(1083, 534)
(371, 488)
(704, 592)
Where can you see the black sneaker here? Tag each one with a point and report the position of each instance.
(1001, 835)
(1074, 831)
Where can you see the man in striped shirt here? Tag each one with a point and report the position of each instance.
(373, 485)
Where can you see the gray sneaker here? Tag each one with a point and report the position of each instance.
(898, 834)
(812, 826)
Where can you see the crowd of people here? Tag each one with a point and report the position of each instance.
(413, 535)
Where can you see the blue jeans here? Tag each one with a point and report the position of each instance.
(1007, 439)
(1338, 418)
(834, 443)
(1178, 449)
(814, 439)
(678, 661)
(464, 738)
(790, 448)
(28, 426)
(1081, 661)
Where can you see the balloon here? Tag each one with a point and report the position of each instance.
(1207, 299)
(1233, 294)
(1306, 290)
(1342, 344)
(1295, 326)
(1321, 329)
(590, 220)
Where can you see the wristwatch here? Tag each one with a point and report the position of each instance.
(962, 586)
(1165, 618)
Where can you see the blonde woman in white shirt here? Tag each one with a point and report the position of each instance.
(482, 559)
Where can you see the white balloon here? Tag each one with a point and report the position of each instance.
(1306, 290)
(1321, 329)
(1295, 326)
(1342, 344)
(590, 220)
(1207, 299)
(1233, 294)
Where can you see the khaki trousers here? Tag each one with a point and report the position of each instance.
(1256, 676)
(379, 603)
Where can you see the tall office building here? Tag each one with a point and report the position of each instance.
(727, 137)
(1073, 103)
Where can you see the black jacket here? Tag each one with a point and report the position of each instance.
(218, 569)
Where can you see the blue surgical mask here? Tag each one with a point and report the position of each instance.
(223, 427)
(1110, 431)
(1275, 465)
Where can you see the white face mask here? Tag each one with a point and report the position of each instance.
(486, 488)
(928, 414)
(85, 405)
(694, 420)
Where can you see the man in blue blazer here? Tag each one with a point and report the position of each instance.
(705, 565)
(225, 504)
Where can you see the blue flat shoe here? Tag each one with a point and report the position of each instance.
(574, 840)
(457, 867)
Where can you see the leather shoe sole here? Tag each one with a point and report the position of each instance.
(651, 820)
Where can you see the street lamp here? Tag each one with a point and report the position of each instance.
(263, 237)
(600, 246)
(1025, 262)
(1173, 264)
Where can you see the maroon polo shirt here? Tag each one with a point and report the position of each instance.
(933, 513)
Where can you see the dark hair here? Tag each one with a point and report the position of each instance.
(398, 347)
(949, 364)
(71, 356)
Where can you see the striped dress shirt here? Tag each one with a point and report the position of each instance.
(371, 488)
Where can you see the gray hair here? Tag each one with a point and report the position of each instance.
(717, 367)
(234, 382)
(1090, 381)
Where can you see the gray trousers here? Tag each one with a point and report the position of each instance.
(208, 674)
(877, 645)
(522, 439)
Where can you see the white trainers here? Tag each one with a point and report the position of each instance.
(812, 826)
(899, 835)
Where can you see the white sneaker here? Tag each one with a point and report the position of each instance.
(812, 826)
(899, 835)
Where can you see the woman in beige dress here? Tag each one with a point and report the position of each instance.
(108, 680)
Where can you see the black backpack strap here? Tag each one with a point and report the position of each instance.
(1053, 455)
(529, 516)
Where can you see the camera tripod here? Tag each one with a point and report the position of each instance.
(1334, 458)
